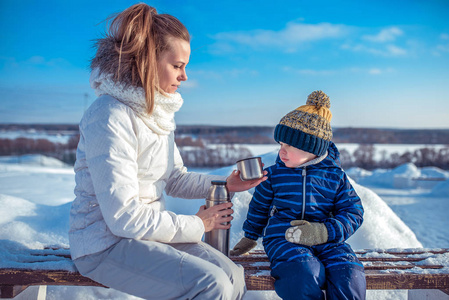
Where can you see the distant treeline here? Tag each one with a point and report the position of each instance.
(264, 134)
(227, 134)
(40, 127)
(65, 152)
(198, 145)
(391, 136)
(364, 157)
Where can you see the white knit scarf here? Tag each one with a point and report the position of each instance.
(161, 121)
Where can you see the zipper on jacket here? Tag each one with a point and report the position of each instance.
(272, 212)
(304, 173)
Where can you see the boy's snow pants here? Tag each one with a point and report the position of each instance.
(302, 272)
(153, 270)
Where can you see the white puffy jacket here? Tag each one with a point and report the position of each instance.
(122, 169)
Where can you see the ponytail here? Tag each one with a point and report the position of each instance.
(134, 42)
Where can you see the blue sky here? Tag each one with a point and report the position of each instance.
(382, 63)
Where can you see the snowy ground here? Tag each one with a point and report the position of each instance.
(35, 197)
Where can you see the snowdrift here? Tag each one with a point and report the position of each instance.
(402, 177)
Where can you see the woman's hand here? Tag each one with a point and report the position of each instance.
(235, 184)
(217, 216)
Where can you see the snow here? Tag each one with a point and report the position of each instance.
(441, 189)
(433, 172)
(442, 260)
(402, 177)
(36, 194)
(33, 160)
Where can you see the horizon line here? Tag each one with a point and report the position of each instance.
(235, 126)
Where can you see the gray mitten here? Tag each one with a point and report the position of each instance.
(243, 246)
(305, 233)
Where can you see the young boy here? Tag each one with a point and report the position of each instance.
(306, 210)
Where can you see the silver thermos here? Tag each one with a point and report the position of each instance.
(218, 238)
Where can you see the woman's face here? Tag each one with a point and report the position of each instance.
(171, 66)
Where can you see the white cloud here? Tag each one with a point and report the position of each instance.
(189, 84)
(196, 73)
(444, 36)
(42, 61)
(238, 72)
(354, 70)
(198, 76)
(379, 71)
(298, 33)
(380, 44)
(385, 35)
(443, 48)
(309, 71)
(395, 50)
(383, 50)
(38, 60)
(375, 71)
(289, 38)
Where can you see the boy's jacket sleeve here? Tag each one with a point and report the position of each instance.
(348, 213)
(258, 211)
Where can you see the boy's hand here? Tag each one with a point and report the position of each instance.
(243, 246)
(305, 233)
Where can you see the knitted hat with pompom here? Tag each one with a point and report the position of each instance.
(307, 127)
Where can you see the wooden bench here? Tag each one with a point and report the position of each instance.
(388, 269)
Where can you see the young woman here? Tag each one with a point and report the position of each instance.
(120, 233)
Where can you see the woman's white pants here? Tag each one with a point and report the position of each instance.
(153, 270)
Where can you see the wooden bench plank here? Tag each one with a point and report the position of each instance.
(375, 265)
(385, 269)
(374, 281)
(44, 277)
(406, 281)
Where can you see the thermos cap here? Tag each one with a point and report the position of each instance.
(218, 182)
(218, 191)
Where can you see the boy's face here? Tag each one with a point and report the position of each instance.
(293, 157)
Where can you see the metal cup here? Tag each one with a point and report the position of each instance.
(250, 168)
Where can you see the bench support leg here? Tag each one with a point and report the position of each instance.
(10, 291)
(7, 291)
(42, 293)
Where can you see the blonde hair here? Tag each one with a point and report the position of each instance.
(133, 44)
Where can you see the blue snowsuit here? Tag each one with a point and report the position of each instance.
(319, 192)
